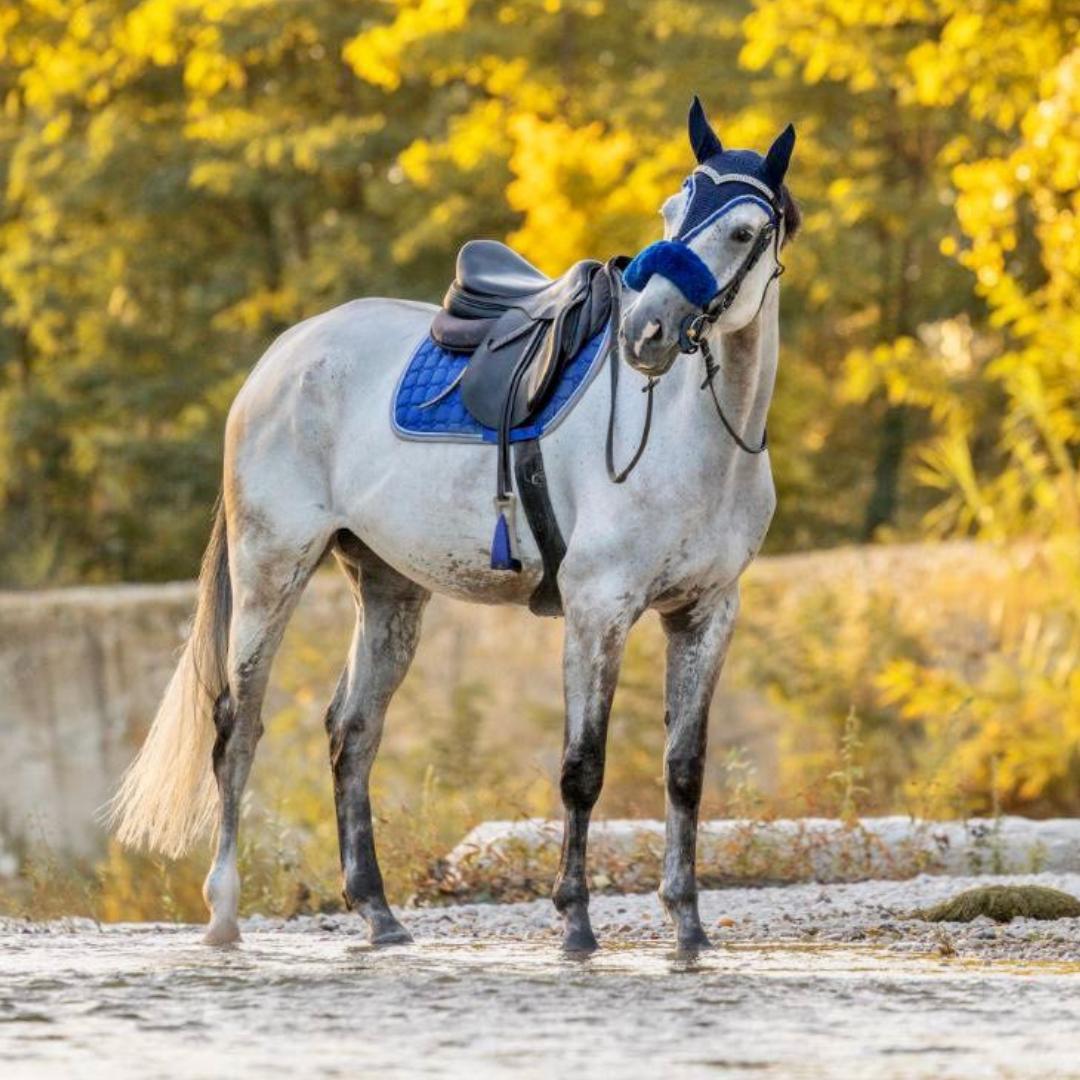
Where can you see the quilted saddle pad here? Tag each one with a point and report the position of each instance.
(428, 405)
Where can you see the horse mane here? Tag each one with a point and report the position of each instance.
(792, 214)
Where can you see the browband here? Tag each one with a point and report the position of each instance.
(737, 178)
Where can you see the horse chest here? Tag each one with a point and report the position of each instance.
(710, 549)
(670, 542)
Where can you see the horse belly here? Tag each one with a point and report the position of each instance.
(428, 511)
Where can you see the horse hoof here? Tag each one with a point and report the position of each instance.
(394, 934)
(580, 942)
(694, 941)
(223, 933)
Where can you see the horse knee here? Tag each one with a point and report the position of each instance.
(683, 779)
(353, 737)
(582, 777)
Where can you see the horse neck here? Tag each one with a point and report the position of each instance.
(744, 384)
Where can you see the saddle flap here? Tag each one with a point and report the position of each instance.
(494, 372)
(513, 371)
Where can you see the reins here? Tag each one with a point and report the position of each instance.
(693, 337)
(618, 476)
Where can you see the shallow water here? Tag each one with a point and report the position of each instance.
(155, 1003)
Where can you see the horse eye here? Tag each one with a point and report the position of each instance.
(742, 235)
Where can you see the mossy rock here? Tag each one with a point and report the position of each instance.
(1003, 903)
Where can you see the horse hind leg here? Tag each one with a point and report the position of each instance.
(388, 617)
(266, 585)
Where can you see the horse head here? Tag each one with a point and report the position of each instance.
(722, 237)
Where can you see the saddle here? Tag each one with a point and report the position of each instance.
(521, 329)
(520, 326)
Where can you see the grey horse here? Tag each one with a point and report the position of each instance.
(313, 466)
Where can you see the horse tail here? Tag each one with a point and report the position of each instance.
(168, 797)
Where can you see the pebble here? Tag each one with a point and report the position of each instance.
(857, 913)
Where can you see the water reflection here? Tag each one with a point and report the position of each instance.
(123, 1003)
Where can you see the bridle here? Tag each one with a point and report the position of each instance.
(693, 331)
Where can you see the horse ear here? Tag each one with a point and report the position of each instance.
(702, 137)
(779, 157)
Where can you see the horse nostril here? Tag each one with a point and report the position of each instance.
(652, 330)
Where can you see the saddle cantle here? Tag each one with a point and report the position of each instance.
(490, 276)
(521, 329)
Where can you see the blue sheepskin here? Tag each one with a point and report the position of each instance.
(679, 265)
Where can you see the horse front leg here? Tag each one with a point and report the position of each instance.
(697, 644)
(595, 638)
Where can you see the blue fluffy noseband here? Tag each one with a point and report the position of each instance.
(679, 264)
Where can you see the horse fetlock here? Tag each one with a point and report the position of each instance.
(383, 926)
(362, 886)
(221, 891)
(579, 936)
(681, 905)
(569, 891)
(572, 903)
(678, 895)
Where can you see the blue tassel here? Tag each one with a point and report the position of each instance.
(504, 555)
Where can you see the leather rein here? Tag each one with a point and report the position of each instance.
(693, 337)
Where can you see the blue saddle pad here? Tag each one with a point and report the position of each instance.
(428, 405)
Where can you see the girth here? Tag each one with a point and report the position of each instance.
(521, 329)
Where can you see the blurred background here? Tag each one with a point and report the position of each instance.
(180, 180)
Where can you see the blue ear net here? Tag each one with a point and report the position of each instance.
(679, 264)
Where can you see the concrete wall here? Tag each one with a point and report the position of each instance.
(80, 672)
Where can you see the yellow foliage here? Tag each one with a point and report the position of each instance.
(376, 54)
(558, 172)
(185, 177)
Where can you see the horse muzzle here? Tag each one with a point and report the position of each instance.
(648, 346)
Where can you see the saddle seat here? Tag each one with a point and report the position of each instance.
(520, 326)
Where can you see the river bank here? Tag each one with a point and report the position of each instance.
(806, 982)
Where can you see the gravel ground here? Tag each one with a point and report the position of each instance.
(862, 913)
(867, 912)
